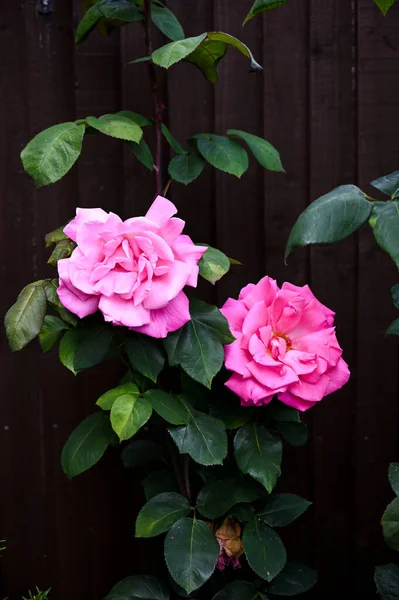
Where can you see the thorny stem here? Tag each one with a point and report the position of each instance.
(157, 102)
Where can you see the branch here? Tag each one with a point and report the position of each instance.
(157, 102)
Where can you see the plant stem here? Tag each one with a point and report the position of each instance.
(157, 102)
(175, 465)
(187, 483)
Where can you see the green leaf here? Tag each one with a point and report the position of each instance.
(395, 295)
(172, 141)
(386, 579)
(195, 393)
(140, 120)
(128, 414)
(207, 58)
(384, 5)
(213, 265)
(142, 586)
(24, 320)
(166, 22)
(84, 348)
(143, 153)
(160, 513)
(264, 152)
(141, 452)
(295, 434)
(390, 524)
(393, 329)
(117, 126)
(197, 347)
(119, 10)
(50, 332)
(50, 289)
(219, 36)
(233, 416)
(258, 453)
(393, 476)
(223, 153)
(53, 237)
(294, 579)
(243, 512)
(52, 152)
(191, 552)
(203, 438)
(388, 184)
(87, 444)
(185, 168)
(170, 408)
(106, 401)
(264, 550)
(62, 249)
(237, 590)
(159, 482)
(331, 218)
(145, 354)
(282, 509)
(216, 498)
(385, 223)
(168, 55)
(261, 6)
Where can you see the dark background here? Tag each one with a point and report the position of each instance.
(328, 100)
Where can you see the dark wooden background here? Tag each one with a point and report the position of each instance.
(328, 99)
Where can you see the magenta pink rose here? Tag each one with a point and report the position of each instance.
(133, 271)
(285, 346)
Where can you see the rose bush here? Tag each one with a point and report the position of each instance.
(133, 271)
(285, 345)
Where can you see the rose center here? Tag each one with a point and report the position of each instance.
(279, 344)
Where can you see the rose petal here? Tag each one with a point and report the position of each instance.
(161, 210)
(79, 304)
(123, 312)
(170, 318)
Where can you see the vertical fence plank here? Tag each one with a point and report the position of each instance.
(377, 399)
(333, 268)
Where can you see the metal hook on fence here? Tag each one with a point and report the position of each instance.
(45, 7)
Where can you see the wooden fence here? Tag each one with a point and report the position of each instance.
(328, 100)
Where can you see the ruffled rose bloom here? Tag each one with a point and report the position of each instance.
(133, 271)
(285, 346)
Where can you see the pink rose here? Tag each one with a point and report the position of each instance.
(285, 345)
(133, 271)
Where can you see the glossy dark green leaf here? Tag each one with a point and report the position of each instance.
(117, 126)
(294, 579)
(141, 452)
(395, 295)
(191, 552)
(388, 184)
(237, 590)
(53, 237)
(143, 153)
(51, 331)
(145, 354)
(143, 587)
(128, 414)
(185, 168)
(264, 550)
(84, 348)
(282, 509)
(203, 438)
(87, 444)
(160, 513)
(393, 329)
(264, 152)
(169, 407)
(233, 416)
(216, 498)
(25, 319)
(261, 6)
(295, 434)
(195, 393)
(258, 453)
(393, 476)
(172, 141)
(159, 482)
(331, 218)
(50, 288)
(386, 579)
(384, 5)
(223, 153)
(52, 152)
(198, 346)
(243, 512)
(390, 524)
(116, 10)
(207, 58)
(166, 22)
(219, 36)
(385, 223)
(137, 118)
(63, 249)
(168, 55)
(107, 400)
(213, 265)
